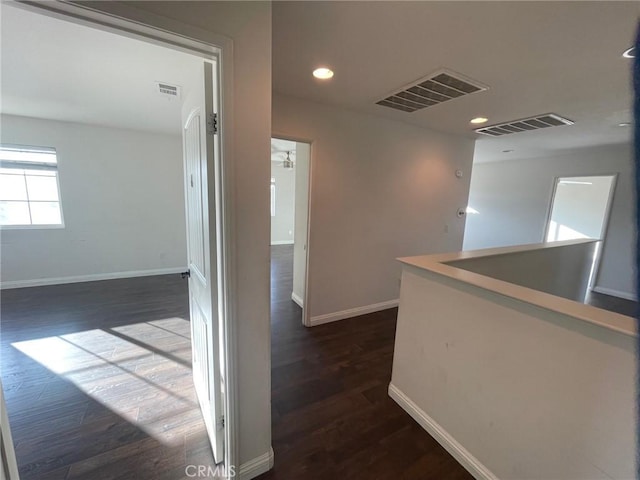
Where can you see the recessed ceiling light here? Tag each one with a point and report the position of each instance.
(323, 73)
(624, 124)
(630, 53)
(479, 120)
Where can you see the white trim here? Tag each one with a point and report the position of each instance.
(297, 299)
(282, 242)
(40, 282)
(616, 293)
(130, 21)
(352, 312)
(444, 438)
(256, 466)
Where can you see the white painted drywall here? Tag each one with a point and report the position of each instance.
(381, 189)
(303, 157)
(282, 224)
(531, 394)
(122, 200)
(563, 271)
(248, 25)
(580, 207)
(513, 200)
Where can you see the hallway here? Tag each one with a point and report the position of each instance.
(332, 417)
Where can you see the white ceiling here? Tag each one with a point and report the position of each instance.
(60, 70)
(279, 149)
(536, 57)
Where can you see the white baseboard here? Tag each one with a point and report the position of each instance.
(457, 451)
(352, 312)
(39, 282)
(297, 299)
(616, 293)
(282, 242)
(257, 466)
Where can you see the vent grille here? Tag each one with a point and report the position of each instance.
(531, 123)
(437, 88)
(168, 90)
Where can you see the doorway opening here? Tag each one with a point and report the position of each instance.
(289, 190)
(580, 208)
(121, 349)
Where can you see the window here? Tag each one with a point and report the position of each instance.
(273, 197)
(29, 189)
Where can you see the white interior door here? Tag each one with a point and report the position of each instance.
(203, 240)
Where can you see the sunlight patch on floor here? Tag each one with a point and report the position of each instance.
(141, 371)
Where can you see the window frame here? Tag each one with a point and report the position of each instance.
(41, 226)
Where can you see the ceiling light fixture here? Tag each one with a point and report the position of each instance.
(624, 124)
(630, 53)
(287, 162)
(479, 120)
(323, 73)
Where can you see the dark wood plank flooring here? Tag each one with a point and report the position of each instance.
(332, 416)
(98, 382)
(613, 304)
(98, 385)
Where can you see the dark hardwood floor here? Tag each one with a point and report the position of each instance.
(332, 416)
(613, 304)
(98, 382)
(98, 385)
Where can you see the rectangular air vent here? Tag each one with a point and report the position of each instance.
(167, 90)
(436, 88)
(531, 123)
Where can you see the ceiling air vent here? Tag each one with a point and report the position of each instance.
(167, 90)
(436, 88)
(531, 123)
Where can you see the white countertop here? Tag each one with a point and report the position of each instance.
(440, 264)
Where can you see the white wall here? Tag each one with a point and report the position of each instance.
(248, 25)
(513, 200)
(303, 157)
(122, 201)
(380, 189)
(282, 224)
(562, 270)
(515, 391)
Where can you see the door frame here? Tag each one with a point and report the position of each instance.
(127, 21)
(605, 223)
(9, 466)
(306, 314)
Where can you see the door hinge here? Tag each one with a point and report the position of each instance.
(186, 274)
(212, 124)
(220, 423)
